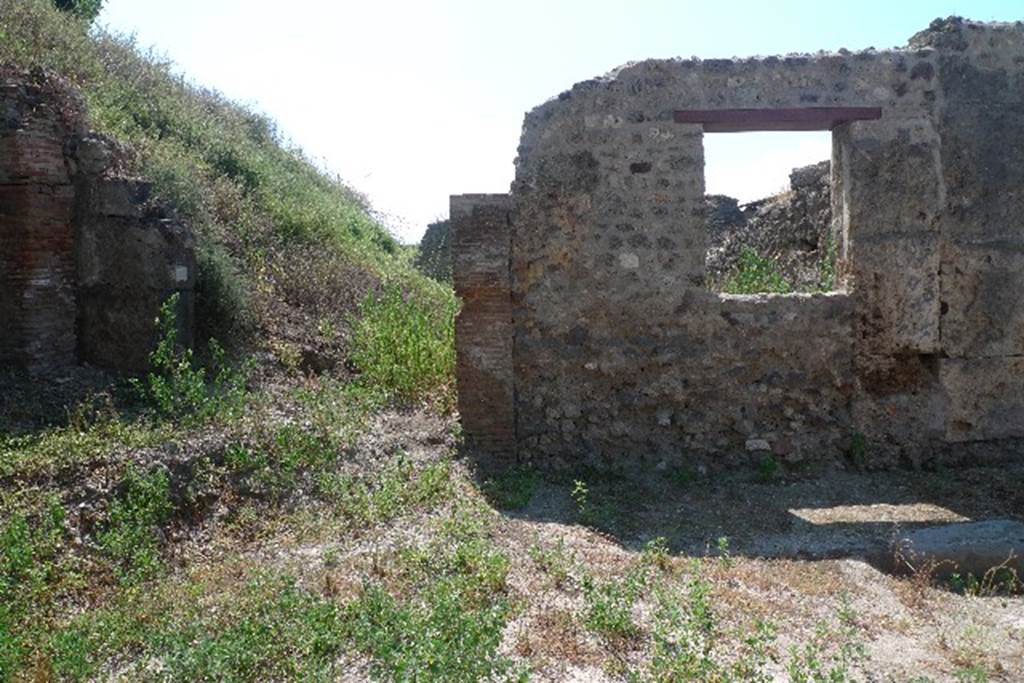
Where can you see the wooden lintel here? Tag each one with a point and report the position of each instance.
(795, 118)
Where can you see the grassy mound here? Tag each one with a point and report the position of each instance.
(287, 253)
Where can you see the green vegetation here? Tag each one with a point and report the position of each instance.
(219, 521)
(451, 629)
(756, 275)
(827, 271)
(405, 344)
(279, 241)
(512, 489)
(178, 388)
(130, 538)
(83, 9)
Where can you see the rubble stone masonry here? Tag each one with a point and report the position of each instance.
(608, 347)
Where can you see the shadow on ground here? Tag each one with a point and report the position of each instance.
(830, 514)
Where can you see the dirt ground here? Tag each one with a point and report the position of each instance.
(798, 549)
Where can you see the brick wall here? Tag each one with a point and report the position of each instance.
(86, 256)
(37, 269)
(480, 270)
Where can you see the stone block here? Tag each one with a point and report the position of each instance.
(896, 282)
(891, 176)
(983, 299)
(966, 548)
(985, 398)
(119, 197)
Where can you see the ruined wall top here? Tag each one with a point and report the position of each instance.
(900, 80)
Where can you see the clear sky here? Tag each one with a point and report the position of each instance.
(413, 101)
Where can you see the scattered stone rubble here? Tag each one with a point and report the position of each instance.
(793, 230)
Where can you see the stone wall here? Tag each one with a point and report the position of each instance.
(86, 257)
(621, 356)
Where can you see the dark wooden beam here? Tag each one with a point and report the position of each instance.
(794, 118)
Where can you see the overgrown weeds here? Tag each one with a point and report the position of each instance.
(756, 274)
(177, 387)
(404, 342)
(253, 199)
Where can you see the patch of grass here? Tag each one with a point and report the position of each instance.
(48, 451)
(971, 674)
(755, 274)
(689, 643)
(445, 618)
(267, 628)
(131, 535)
(833, 652)
(512, 489)
(555, 561)
(31, 570)
(399, 489)
(609, 604)
(404, 343)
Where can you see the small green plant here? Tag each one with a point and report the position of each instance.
(724, 553)
(768, 469)
(579, 495)
(858, 449)
(554, 561)
(971, 674)
(513, 489)
(683, 476)
(827, 268)
(177, 387)
(655, 553)
(609, 604)
(755, 274)
(1001, 579)
(597, 511)
(404, 345)
(817, 662)
(131, 535)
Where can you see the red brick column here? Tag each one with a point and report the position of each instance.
(37, 298)
(480, 239)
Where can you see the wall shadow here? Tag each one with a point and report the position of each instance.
(826, 514)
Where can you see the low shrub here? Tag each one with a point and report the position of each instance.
(404, 341)
(131, 535)
(755, 274)
(178, 387)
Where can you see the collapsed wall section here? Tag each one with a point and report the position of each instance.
(37, 268)
(86, 256)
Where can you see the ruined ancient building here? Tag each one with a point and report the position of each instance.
(85, 257)
(588, 333)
